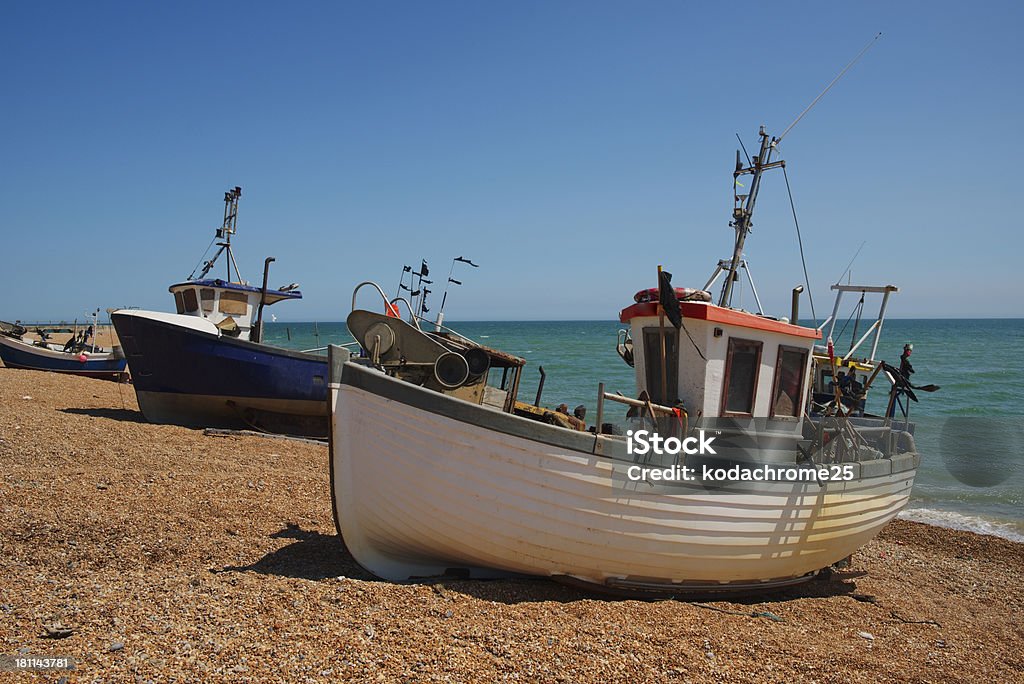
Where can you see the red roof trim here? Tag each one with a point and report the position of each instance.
(717, 314)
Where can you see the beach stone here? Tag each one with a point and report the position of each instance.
(57, 630)
(116, 646)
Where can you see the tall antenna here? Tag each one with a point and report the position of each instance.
(829, 86)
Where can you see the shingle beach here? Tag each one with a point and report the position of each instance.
(153, 553)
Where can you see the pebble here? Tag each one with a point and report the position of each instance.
(116, 646)
(866, 635)
(57, 630)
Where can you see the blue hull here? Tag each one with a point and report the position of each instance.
(15, 354)
(188, 377)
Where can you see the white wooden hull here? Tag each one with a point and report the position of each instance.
(417, 493)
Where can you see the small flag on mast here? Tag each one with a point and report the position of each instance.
(667, 298)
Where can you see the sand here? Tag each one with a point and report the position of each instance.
(170, 555)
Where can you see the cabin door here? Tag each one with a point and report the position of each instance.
(653, 362)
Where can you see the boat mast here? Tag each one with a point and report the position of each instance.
(743, 208)
(227, 229)
(224, 233)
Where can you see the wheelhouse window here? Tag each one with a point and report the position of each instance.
(190, 301)
(179, 303)
(233, 303)
(789, 376)
(206, 296)
(741, 370)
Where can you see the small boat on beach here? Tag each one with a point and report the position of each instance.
(206, 365)
(720, 483)
(80, 355)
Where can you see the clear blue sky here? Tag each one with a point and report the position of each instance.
(568, 147)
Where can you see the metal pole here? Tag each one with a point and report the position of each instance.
(881, 319)
(835, 312)
(753, 289)
(263, 298)
(540, 386)
(600, 408)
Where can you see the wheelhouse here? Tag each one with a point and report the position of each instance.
(721, 362)
(232, 307)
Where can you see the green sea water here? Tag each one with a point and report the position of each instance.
(971, 432)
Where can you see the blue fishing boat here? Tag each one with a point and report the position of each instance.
(206, 364)
(79, 356)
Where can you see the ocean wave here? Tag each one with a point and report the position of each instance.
(969, 523)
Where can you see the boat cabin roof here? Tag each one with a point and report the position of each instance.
(716, 314)
(273, 296)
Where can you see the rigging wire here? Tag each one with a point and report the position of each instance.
(205, 252)
(744, 148)
(857, 311)
(855, 255)
(829, 86)
(800, 241)
(683, 326)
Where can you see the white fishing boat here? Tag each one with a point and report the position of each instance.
(437, 469)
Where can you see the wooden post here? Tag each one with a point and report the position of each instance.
(661, 335)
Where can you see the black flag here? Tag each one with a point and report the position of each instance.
(406, 269)
(467, 261)
(667, 298)
(424, 271)
(453, 280)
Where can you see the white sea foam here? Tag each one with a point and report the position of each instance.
(959, 521)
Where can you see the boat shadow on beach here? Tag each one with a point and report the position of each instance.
(317, 556)
(312, 556)
(126, 415)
